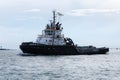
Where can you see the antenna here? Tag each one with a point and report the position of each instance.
(54, 17)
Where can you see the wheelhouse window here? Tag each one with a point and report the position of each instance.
(48, 32)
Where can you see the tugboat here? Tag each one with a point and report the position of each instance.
(53, 42)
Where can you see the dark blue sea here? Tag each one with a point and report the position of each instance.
(13, 66)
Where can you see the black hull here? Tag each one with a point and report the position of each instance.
(39, 49)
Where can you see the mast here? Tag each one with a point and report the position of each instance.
(54, 18)
(54, 21)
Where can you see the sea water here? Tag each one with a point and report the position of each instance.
(74, 67)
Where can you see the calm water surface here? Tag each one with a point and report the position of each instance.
(78, 67)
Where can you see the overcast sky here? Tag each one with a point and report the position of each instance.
(87, 22)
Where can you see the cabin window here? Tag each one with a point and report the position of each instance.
(50, 40)
(49, 32)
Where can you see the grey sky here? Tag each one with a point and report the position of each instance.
(87, 22)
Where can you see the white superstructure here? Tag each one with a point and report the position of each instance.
(51, 35)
